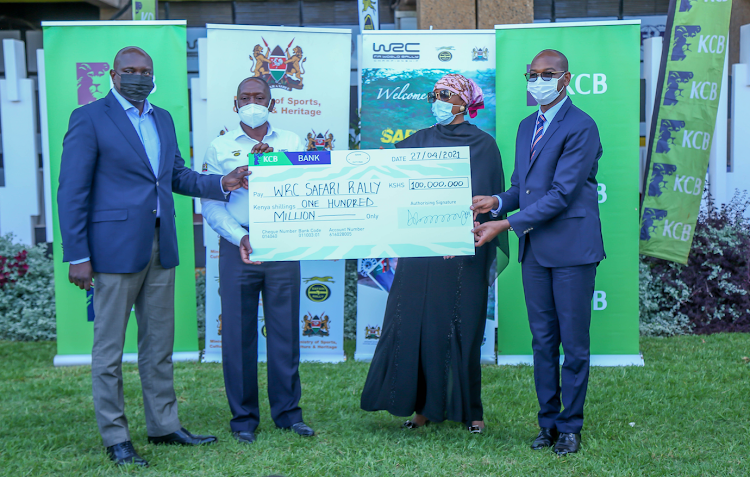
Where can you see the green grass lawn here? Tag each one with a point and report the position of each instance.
(686, 413)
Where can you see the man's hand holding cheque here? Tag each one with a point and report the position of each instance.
(245, 248)
(484, 233)
(482, 204)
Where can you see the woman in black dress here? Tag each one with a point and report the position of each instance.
(427, 361)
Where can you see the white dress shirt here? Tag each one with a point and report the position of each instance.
(226, 153)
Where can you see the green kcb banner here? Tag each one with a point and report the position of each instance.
(144, 9)
(685, 107)
(78, 58)
(604, 62)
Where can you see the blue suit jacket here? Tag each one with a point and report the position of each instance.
(556, 190)
(107, 195)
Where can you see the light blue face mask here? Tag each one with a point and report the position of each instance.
(443, 112)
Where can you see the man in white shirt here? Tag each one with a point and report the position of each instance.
(242, 280)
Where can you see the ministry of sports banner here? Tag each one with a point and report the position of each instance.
(398, 69)
(685, 108)
(78, 57)
(604, 63)
(308, 71)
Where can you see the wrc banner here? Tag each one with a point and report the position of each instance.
(374, 280)
(398, 69)
(685, 109)
(369, 18)
(308, 71)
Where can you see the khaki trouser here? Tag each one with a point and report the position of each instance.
(152, 292)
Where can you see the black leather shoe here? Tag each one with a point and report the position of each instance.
(568, 443)
(124, 454)
(244, 437)
(546, 438)
(302, 429)
(183, 437)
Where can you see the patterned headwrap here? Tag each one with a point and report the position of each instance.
(466, 88)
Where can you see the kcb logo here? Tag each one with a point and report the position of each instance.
(681, 35)
(674, 91)
(704, 90)
(583, 83)
(92, 81)
(586, 83)
(658, 182)
(685, 184)
(677, 230)
(650, 221)
(686, 5)
(696, 140)
(666, 139)
(688, 185)
(712, 44)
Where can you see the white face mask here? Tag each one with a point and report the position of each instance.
(443, 112)
(253, 115)
(544, 92)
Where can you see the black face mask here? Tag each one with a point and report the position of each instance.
(136, 87)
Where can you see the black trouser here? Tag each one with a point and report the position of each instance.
(240, 287)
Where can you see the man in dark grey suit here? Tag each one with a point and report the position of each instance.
(560, 243)
(120, 165)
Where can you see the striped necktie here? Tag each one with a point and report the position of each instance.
(538, 134)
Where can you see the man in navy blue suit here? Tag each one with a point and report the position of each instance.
(120, 165)
(560, 243)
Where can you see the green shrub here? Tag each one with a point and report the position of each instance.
(27, 292)
(200, 297)
(350, 300)
(710, 293)
(661, 301)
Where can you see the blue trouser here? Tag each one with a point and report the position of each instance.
(241, 285)
(558, 301)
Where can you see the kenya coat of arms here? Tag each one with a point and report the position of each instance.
(319, 142)
(315, 325)
(372, 332)
(279, 68)
(480, 54)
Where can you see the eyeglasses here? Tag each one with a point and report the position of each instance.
(443, 94)
(546, 75)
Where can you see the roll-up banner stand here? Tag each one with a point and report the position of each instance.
(604, 63)
(78, 56)
(684, 118)
(397, 70)
(369, 17)
(308, 70)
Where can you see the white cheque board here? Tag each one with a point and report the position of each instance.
(361, 204)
